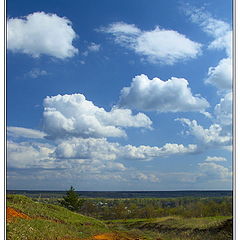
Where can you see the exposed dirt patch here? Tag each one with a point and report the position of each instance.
(105, 236)
(112, 236)
(13, 214)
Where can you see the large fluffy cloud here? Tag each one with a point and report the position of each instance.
(214, 135)
(158, 46)
(42, 156)
(101, 149)
(88, 148)
(172, 95)
(73, 115)
(41, 33)
(84, 155)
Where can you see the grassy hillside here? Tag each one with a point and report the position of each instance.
(179, 228)
(32, 220)
(46, 221)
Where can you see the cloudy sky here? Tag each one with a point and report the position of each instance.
(119, 95)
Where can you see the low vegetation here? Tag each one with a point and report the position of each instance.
(119, 219)
(179, 228)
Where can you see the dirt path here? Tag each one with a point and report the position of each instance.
(112, 236)
(105, 236)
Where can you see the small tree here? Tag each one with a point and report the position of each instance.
(71, 200)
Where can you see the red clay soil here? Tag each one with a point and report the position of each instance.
(105, 236)
(13, 214)
(112, 236)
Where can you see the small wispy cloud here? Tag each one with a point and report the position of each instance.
(35, 73)
(215, 159)
(94, 47)
(25, 132)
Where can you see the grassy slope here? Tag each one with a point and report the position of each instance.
(49, 222)
(178, 228)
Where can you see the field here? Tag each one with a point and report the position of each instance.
(37, 219)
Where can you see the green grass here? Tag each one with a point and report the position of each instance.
(49, 221)
(179, 228)
(174, 222)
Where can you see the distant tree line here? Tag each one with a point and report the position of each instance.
(109, 209)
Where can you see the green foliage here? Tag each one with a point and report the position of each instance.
(71, 201)
(107, 209)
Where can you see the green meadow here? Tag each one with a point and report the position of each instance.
(156, 219)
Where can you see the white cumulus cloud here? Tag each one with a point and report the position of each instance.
(148, 153)
(158, 46)
(101, 149)
(41, 33)
(214, 170)
(172, 95)
(221, 75)
(84, 155)
(29, 155)
(87, 148)
(73, 115)
(214, 135)
(42, 156)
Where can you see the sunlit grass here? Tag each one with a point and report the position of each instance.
(49, 221)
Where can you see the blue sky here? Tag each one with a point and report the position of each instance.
(122, 95)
